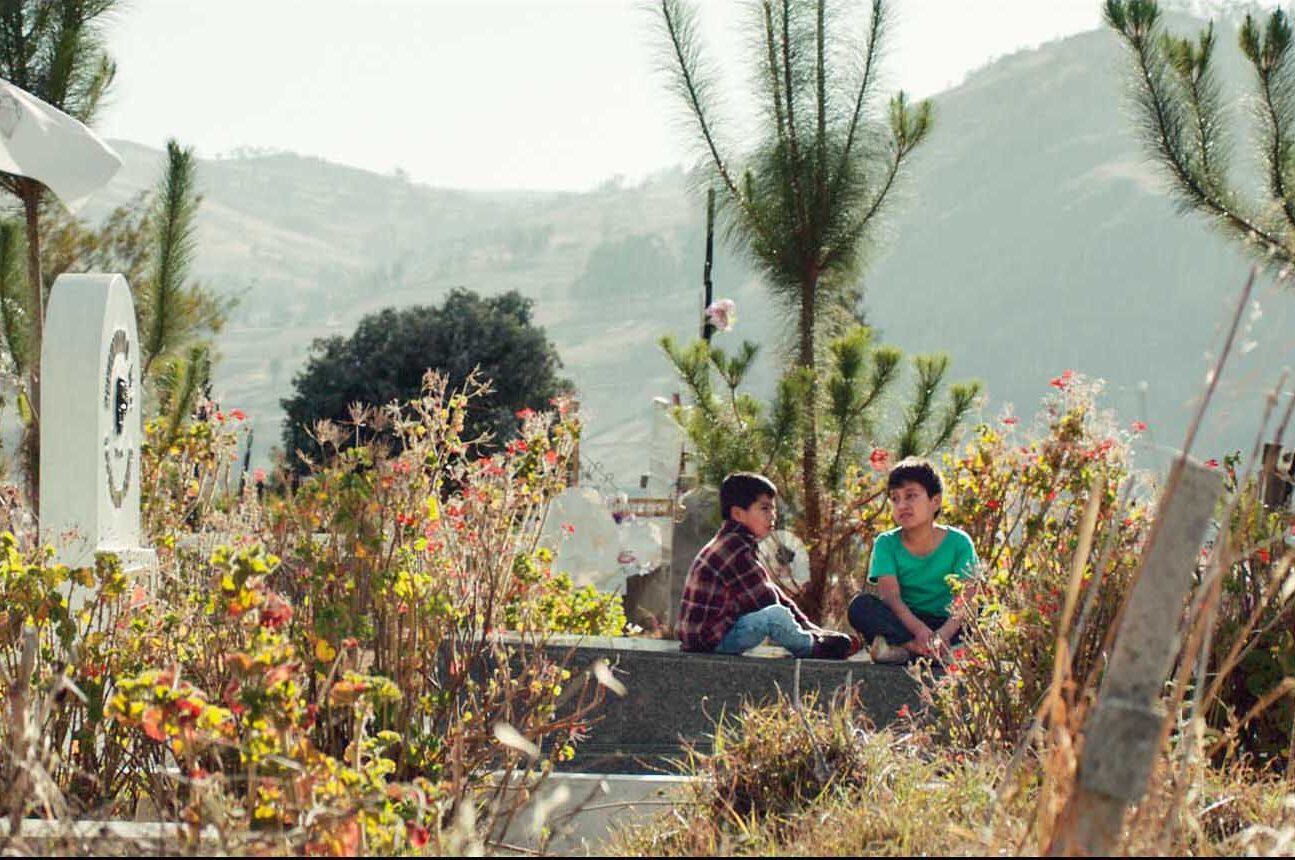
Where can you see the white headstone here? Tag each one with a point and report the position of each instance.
(90, 423)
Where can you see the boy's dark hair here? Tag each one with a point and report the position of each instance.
(919, 470)
(744, 489)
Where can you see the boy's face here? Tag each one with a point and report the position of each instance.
(911, 506)
(759, 518)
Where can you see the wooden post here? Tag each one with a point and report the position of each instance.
(1122, 735)
(1274, 491)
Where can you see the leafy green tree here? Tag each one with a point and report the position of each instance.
(1184, 120)
(387, 357)
(804, 200)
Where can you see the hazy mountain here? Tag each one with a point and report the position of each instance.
(1031, 237)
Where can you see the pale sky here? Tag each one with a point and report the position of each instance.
(488, 94)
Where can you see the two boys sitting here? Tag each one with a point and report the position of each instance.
(731, 603)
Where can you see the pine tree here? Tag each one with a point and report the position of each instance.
(1184, 122)
(804, 200)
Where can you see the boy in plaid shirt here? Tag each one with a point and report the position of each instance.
(730, 602)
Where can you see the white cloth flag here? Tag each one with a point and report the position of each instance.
(41, 142)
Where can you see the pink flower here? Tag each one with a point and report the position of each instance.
(1011, 419)
(1211, 463)
(879, 459)
(1139, 426)
(722, 313)
(258, 475)
(568, 528)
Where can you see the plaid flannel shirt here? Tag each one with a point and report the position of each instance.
(726, 580)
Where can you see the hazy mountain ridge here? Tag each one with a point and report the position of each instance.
(1031, 237)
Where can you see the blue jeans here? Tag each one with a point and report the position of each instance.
(774, 622)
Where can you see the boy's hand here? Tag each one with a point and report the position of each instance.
(923, 641)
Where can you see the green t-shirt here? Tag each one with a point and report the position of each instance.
(922, 584)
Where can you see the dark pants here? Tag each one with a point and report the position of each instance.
(872, 618)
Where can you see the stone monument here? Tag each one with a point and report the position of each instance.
(90, 423)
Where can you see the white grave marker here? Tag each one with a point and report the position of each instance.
(90, 423)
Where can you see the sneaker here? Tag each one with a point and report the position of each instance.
(831, 646)
(882, 651)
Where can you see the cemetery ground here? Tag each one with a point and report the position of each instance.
(377, 659)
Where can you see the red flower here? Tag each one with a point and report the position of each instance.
(525, 413)
(220, 416)
(1139, 426)
(1062, 382)
(1011, 419)
(550, 457)
(1263, 556)
(417, 834)
(880, 459)
(1211, 463)
(568, 528)
(903, 713)
(276, 612)
(993, 504)
(237, 414)
(189, 707)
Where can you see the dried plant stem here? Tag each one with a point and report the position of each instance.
(18, 724)
(820, 763)
(1099, 572)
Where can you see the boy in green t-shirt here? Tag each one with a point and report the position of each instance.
(911, 566)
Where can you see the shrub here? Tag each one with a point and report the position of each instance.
(343, 673)
(1253, 653)
(1022, 502)
(817, 781)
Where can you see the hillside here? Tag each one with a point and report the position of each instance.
(1031, 237)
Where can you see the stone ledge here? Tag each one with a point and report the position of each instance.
(675, 697)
